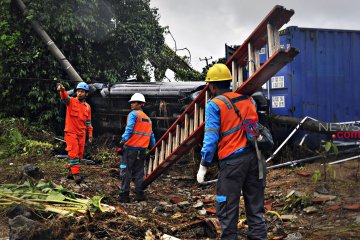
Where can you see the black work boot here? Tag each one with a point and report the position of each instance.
(140, 196)
(124, 197)
(78, 179)
(70, 177)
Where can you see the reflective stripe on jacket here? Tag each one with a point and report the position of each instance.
(232, 137)
(142, 131)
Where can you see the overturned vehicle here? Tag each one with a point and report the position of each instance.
(165, 101)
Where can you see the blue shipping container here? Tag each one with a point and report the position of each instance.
(323, 81)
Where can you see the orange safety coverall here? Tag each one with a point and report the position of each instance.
(77, 122)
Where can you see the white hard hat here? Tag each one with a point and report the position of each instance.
(137, 97)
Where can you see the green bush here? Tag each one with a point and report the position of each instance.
(14, 142)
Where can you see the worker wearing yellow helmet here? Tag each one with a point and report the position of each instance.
(238, 165)
(138, 136)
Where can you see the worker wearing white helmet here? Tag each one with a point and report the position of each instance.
(138, 136)
(137, 97)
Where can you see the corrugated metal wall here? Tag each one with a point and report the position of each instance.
(323, 81)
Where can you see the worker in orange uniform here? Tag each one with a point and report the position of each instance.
(238, 164)
(138, 136)
(77, 123)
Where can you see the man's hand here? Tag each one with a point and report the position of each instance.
(201, 174)
(119, 151)
(121, 144)
(90, 138)
(60, 87)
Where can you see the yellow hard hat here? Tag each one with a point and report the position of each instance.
(218, 72)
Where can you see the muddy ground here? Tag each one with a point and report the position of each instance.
(179, 207)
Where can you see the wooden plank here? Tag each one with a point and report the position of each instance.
(186, 126)
(169, 144)
(174, 143)
(191, 125)
(271, 39)
(196, 116)
(240, 75)
(162, 152)
(277, 39)
(178, 135)
(257, 59)
(251, 57)
(156, 161)
(201, 115)
(235, 73)
(150, 166)
(182, 135)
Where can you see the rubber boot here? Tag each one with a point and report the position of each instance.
(124, 197)
(69, 176)
(140, 196)
(77, 178)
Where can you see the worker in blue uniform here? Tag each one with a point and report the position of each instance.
(238, 164)
(138, 136)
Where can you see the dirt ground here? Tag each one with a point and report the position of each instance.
(176, 205)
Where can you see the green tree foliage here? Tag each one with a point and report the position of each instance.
(98, 48)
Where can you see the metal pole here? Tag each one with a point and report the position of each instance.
(287, 139)
(209, 182)
(51, 45)
(351, 150)
(344, 160)
(294, 162)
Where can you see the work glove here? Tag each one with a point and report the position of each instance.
(119, 151)
(201, 174)
(121, 144)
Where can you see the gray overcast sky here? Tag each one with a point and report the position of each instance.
(204, 26)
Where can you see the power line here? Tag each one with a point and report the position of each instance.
(37, 79)
(206, 60)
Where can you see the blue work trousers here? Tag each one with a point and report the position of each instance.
(240, 173)
(134, 161)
